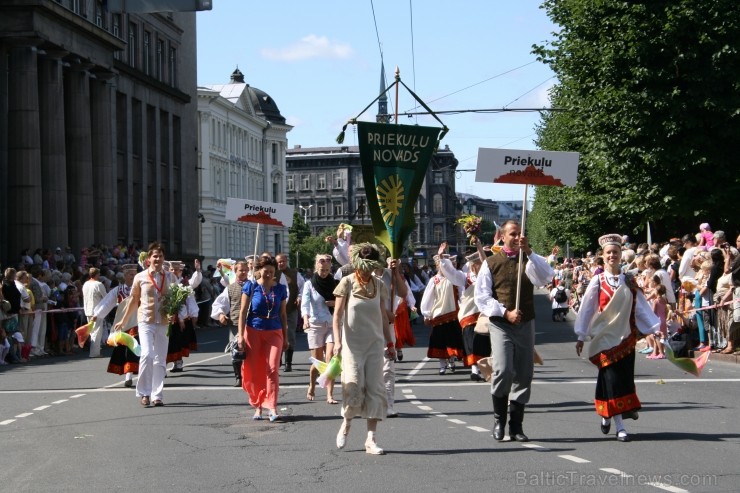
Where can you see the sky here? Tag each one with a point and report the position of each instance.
(320, 61)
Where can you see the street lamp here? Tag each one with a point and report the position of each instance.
(305, 212)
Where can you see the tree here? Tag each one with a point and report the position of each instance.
(651, 98)
(307, 246)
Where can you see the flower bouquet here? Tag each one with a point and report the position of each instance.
(471, 225)
(173, 300)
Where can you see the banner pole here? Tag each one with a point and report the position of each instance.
(521, 252)
(398, 78)
(256, 240)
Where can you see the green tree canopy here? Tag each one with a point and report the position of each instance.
(650, 96)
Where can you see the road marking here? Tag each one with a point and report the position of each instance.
(425, 408)
(24, 415)
(416, 370)
(416, 403)
(60, 401)
(410, 396)
(479, 429)
(439, 414)
(457, 421)
(615, 471)
(535, 446)
(76, 396)
(6, 422)
(41, 408)
(573, 458)
(666, 487)
(407, 391)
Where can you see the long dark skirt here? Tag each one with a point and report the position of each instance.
(477, 346)
(122, 360)
(615, 388)
(445, 341)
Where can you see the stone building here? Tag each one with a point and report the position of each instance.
(97, 111)
(242, 139)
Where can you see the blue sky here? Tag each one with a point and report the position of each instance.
(320, 61)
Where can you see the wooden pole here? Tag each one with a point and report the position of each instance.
(256, 241)
(398, 78)
(521, 252)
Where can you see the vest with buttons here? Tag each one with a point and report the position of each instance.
(235, 302)
(504, 276)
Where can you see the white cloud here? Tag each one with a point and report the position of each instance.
(293, 121)
(311, 46)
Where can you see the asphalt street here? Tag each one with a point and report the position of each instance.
(67, 425)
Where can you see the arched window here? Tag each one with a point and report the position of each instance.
(437, 204)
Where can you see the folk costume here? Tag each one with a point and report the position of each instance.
(228, 303)
(439, 306)
(122, 360)
(183, 339)
(613, 313)
(512, 346)
(477, 345)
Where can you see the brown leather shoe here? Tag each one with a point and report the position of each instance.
(158, 403)
(145, 401)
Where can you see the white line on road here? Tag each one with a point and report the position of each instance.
(425, 408)
(410, 396)
(457, 421)
(41, 408)
(76, 396)
(60, 401)
(573, 458)
(615, 471)
(24, 415)
(667, 487)
(416, 403)
(416, 369)
(407, 391)
(6, 422)
(539, 448)
(479, 429)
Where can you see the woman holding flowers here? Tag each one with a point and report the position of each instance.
(262, 327)
(148, 295)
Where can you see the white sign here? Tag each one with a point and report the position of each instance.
(252, 211)
(550, 168)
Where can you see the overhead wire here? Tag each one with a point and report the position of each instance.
(380, 48)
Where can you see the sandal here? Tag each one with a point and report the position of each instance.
(727, 350)
(145, 401)
(331, 400)
(257, 415)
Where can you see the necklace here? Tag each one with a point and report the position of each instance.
(611, 279)
(267, 299)
(154, 283)
(363, 283)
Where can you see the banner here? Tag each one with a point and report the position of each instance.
(527, 167)
(394, 163)
(252, 211)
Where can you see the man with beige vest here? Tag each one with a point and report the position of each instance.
(512, 330)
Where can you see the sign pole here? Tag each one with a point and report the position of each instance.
(256, 241)
(521, 252)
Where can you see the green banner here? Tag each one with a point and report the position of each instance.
(394, 163)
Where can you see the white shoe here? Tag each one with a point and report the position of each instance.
(342, 435)
(372, 448)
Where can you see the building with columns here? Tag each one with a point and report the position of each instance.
(97, 114)
(242, 140)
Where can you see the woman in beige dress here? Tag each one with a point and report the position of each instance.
(361, 333)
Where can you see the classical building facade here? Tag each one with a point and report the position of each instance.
(326, 186)
(97, 111)
(242, 141)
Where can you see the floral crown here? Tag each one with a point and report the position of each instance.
(365, 264)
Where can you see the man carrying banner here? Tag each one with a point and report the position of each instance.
(511, 329)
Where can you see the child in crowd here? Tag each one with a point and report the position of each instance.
(655, 295)
(4, 346)
(706, 239)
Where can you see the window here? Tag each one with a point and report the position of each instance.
(338, 209)
(437, 204)
(437, 233)
(132, 42)
(173, 67)
(439, 178)
(321, 180)
(160, 59)
(147, 54)
(99, 13)
(305, 182)
(289, 183)
(275, 157)
(337, 181)
(116, 27)
(322, 210)
(359, 180)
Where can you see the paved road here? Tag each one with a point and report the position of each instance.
(66, 425)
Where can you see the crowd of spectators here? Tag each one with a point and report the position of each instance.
(41, 301)
(692, 282)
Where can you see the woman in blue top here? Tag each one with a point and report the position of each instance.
(262, 334)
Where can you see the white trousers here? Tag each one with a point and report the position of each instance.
(153, 361)
(95, 335)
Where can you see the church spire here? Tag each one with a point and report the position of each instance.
(382, 116)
